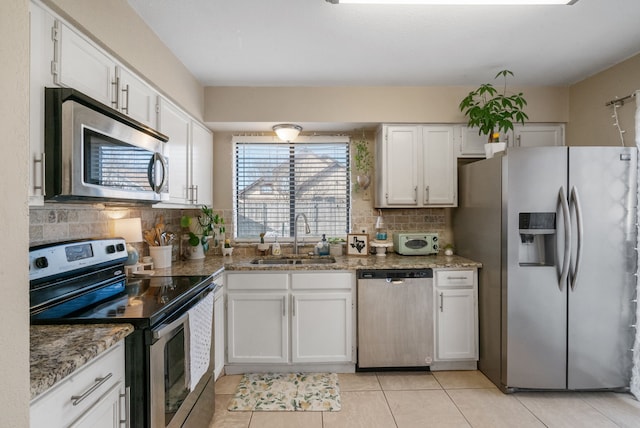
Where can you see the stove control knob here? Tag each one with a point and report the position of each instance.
(41, 262)
(110, 249)
(120, 247)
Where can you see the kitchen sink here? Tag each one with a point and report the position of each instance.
(293, 260)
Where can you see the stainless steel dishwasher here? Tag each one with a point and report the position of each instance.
(395, 318)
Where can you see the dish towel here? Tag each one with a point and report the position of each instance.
(200, 332)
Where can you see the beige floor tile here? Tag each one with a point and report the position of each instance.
(413, 409)
(490, 408)
(223, 418)
(622, 409)
(463, 379)
(563, 409)
(360, 409)
(286, 420)
(358, 382)
(227, 384)
(407, 381)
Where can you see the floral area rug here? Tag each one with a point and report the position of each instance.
(287, 392)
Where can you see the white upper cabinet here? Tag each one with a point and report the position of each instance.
(135, 98)
(470, 144)
(41, 54)
(176, 125)
(416, 166)
(80, 65)
(537, 135)
(201, 165)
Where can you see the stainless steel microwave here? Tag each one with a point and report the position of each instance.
(97, 154)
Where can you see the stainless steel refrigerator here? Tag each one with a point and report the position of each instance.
(555, 230)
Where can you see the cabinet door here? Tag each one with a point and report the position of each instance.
(82, 66)
(455, 324)
(471, 143)
(439, 171)
(219, 333)
(257, 328)
(400, 166)
(41, 56)
(135, 98)
(201, 165)
(321, 327)
(538, 135)
(175, 124)
(105, 413)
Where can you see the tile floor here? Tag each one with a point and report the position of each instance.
(438, 399)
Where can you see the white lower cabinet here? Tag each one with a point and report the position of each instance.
(456, 314)
(290, 318)
(92, 396)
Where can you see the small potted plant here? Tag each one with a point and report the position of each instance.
(208, 225)
(493, 112)
(227, 249)
(363, 163)
(335, 246)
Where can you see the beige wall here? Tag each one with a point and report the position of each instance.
(116, 26)
(364, 104)
(590, 121)
(14, 280)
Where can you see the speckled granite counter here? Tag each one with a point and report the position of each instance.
(56, 351)
(214, 264)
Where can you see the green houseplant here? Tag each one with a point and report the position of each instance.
(208, 224)
(492, 111)
(363, 160)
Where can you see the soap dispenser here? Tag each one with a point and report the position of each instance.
(275, 247)
(322, 247)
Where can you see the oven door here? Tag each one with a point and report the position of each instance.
(172, 396)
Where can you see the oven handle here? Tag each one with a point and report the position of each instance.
(165, 329)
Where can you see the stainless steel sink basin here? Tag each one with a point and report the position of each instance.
(293, 261)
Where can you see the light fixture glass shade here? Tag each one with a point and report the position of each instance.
(459, 2)
(287, 131)
(131, 230)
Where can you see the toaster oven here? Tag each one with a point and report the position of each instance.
(416, 244)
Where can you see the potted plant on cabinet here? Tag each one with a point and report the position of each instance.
(201, 229)
(363, 163)
(493, 112)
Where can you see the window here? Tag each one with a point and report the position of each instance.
(274, 182)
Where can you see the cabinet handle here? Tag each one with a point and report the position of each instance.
(441, 302)
(114, 92)
(456, 277)
(284, 306)
(77, 399)
(518, 140)
(293, 305)
(426, 194)
(415, 194)
(125, 108)
(42, 169)
(127, 410)
(195, 199)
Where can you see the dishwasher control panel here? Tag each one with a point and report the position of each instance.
(395, 273)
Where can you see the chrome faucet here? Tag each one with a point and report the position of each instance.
(307, 230)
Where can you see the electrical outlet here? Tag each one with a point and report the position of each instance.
(364, 230)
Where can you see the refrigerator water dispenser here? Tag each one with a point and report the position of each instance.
(537, 239)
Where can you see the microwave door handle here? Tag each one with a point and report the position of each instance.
(150, 170)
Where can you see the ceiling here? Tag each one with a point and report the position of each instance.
(315, 43)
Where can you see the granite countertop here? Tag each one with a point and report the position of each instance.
(214, 265)
(56, 351)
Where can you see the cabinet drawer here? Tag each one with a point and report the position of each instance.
(55, 406)
(321, 281)
(448, 278)
(257, 281)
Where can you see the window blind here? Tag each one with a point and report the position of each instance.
(274, 182)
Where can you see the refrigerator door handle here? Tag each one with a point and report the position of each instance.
(574, 201)
(567, 238)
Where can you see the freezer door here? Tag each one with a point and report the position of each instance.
(534, 301)
(603, 180)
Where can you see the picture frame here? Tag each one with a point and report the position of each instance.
(357, 244)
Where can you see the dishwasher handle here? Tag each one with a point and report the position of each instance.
(395, 281)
